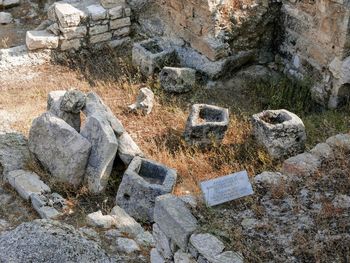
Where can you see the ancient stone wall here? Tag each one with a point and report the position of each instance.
(317, 36)
(218, 29)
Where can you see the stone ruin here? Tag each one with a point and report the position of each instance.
(215, 38)
(79, 24)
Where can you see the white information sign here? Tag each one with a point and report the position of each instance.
(226, 188)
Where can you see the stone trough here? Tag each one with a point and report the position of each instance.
(206, 125)
(152, 55)
(142, 182)
(281, 132)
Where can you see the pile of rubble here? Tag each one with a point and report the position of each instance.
(76, 24)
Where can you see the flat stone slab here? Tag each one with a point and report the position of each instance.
(175, 219)
(104, 149)
(226, 188)
(27, 183)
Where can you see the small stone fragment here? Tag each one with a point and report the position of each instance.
(144, 101)
(97, 219)
(5, 18)
(73, 101)
(27, 183)
(126, 245)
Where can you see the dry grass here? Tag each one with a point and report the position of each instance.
(159, 134)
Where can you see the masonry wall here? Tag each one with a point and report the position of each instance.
(316, 34)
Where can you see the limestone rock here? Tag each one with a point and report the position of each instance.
(112, 3)
(48, 241)
(340, 141)
(128, 149)
(41, 40)
(181, 257)
(97, 219)
(14, 153)
(174, 219)
(156, 257)
(27, 183)
(144, 101)
(281, 132)
(207, 245)
(73, 101)
(68, 15)
(104, 146)
(142, 182)
(95, 106)
(301, 165)
(206, 125)
(323, 151)
(5, 18)
(177, 80)
(59, 148)
(163, 243)
(342, 201)
(9, 3)
(268, 179)
(126, 224)
(126, 245)
(48, 205)
(58, 102)
(97, 12)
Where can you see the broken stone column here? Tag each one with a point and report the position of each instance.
(142, 182)
(144, 101)
(59, 148)
(151, 56)
(206, 125)
(177, 80)
(281, 132)
(104, 149)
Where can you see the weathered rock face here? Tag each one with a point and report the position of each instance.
(14, 153)
(48, 241)
(73, 101)
(59, 148)
(104, 149)
(9, 3)
(142, 182)
(281, 132)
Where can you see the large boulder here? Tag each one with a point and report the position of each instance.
(59, 148)
(14, 152)
(104, 149)
(48, 241)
